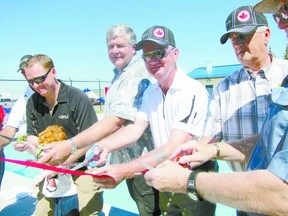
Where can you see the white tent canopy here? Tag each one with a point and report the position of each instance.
(90, 94)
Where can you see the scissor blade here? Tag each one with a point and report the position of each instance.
(80, 165)
(147, 166)
(69, 165)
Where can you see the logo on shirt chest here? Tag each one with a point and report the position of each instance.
(63, 116)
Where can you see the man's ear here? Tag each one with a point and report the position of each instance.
(267, 36)
(134, 47)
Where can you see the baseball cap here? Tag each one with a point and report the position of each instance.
(267, 6)
(243, 20)
(23, 61)
(157, 34)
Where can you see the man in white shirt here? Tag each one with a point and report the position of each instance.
(16, 120)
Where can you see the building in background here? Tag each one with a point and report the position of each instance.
(210, 76)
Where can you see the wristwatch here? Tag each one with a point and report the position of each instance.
(191, 187)
(73, 146)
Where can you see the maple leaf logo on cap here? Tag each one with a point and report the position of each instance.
(159, 33)
(243, 16)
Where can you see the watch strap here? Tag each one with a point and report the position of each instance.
(191, 186)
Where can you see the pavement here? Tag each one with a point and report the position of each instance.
(18, 198)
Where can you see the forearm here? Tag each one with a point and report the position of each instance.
(80, 153)
(245, 146)
(7, 132)
(98, 131)
(152, 159)
(124, 137)
(238, 150)
(160, 154)
(256, 191)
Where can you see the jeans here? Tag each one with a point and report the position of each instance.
(65, 206)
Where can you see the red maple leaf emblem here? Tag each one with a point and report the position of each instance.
(243, 15)
(159, 32)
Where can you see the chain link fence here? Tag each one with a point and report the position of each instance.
(13, 88)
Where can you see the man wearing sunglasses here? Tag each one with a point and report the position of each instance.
(175, 107)
(279, 8)
(16, 120)
(55, 103)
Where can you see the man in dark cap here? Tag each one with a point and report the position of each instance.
(17, 118)
(241, 100)
(175, 107)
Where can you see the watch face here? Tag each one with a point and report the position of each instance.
(192, 195)
(191, 190)
(191, 187)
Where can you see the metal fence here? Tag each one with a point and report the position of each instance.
(15, 87)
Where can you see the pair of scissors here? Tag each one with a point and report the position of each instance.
(86, 162)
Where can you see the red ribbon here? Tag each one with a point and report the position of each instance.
(53, 168)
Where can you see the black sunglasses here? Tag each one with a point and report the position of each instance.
(39, 79)
(157, 54)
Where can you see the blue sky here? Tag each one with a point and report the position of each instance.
(72, 33)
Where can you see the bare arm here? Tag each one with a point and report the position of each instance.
(198, 152)
(125, 136)
(256, 191)
(98, 131)
(242, 149)
(8, 131)
(238, 150)
(162, 153)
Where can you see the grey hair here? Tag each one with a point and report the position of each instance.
(121, 30)
(261, 28)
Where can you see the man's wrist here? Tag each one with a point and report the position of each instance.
(191, 186)
(6, 137)
(217, 155)
(73, 146)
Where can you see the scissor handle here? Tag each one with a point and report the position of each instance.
(90, 156)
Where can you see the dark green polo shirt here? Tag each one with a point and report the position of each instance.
(74, 112)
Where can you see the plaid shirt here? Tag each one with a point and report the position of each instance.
(240, 103)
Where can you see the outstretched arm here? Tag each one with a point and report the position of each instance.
(256, 191)
(6, 136)
(198, 152)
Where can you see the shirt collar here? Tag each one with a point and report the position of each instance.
(177, 81)
(133, 60)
